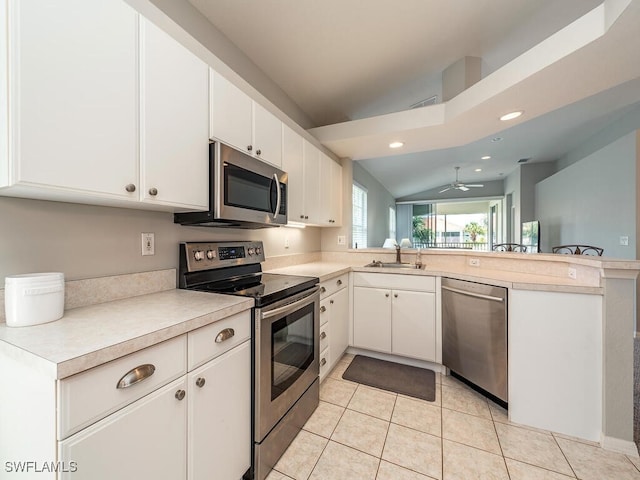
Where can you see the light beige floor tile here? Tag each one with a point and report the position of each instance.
(594, 463)
(374, 402)
(275, 475)
(471, 430)
(498, 413)
(465, 400)
(301, 456)
(340, 462)
(576, 439)
(449, 381)
(362, 432)
(466, 463)
(339, 369)
(337, 392)
(389, 471)
(419, 415)
(635, 460)
(535, 448)
(414, 450)
(524, 471)
(324, 420)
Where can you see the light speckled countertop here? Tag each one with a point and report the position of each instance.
(89, 336)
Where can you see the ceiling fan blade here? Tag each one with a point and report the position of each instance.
(442, 191)
(463, 188)
(473, 185)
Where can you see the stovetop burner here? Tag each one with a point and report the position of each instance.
(234, 268)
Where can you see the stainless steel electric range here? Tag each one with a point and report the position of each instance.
(285, 339)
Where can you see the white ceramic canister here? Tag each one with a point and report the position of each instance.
(33, 298)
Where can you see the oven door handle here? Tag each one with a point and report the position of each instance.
(278, 195)
(290, 307)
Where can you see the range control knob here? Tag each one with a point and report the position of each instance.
(258, 250)
(198, 255)
(211, 254)
(251, 251)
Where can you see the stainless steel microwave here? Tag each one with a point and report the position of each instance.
(244, 192)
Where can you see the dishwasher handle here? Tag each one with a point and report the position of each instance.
(472, 294)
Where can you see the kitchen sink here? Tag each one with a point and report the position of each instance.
(378, 264)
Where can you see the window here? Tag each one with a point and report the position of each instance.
(392, 222)
(359, 232)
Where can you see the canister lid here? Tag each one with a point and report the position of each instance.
(34, 278)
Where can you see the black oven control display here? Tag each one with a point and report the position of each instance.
(231, 253)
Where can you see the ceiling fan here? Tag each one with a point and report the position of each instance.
(457, 185)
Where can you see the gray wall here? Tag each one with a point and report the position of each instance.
(378, 202)
(592, 201)
(86, 241)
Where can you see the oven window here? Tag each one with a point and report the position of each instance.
(292, 348)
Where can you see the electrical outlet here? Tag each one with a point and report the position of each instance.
(624, 240)
(286, 242)
(342, 239)
(572, 273)
(474, 262)
(148, 244)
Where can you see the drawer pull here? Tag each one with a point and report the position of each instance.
(323, 335)
(225, 334)
(180, 394)
(322, 289)
(200, 382)
(323, 362)
(323, 309)
(339, 282)
(136, 375)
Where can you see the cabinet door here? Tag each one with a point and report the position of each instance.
(267, 135)
(292, 163)
(339, 324)
(336, 194)
(372, 318)
(146, 439)
(74, 74)
(413, 330)
(220, 416)
(330, 191)
(231, 113)
(174, 122)
(311, 183)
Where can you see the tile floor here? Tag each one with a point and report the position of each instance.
(362, 433)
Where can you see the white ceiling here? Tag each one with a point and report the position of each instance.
(355, 66)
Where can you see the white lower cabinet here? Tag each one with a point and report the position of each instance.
(143, 440)
(219, 422)
(334, 322)
(395, 314)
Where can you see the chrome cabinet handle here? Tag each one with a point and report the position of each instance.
(331, 302)
(323, 335)
(130, 188)
(153, 192)
(322, 289)
(323, 309)
(339, 282)
(323, 362)
(180, 394)
(395, 295)
(200, 382)
(386, 295)
(225, 334)
(258, 152)
(249, 147)
(136, 375)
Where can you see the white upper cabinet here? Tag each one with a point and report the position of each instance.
(174, 122)
(292, 163)
(242, 123)
(330, 191)
(231, 113)
(311, 173)
(74, 95)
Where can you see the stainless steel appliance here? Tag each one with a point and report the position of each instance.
(474, 334)
(285, 340)
(244, 192)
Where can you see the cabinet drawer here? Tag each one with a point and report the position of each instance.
(89, 396)
(208, 342)
(395, 281)
(324, 336)
(324, 311)
(324, 362)
(329, 287)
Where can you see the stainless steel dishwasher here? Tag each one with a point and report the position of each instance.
(474, 334)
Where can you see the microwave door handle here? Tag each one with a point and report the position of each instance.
(278, 199)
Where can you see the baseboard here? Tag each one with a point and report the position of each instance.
(618, 445)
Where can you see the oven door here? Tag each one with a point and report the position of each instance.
(247, 189)
(287, 356)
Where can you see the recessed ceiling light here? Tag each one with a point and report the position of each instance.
(511, 115)
(478, 170)
(396, 144)
(496, 139)
(486, 157)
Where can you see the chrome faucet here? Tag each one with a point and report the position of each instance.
(398, 254)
